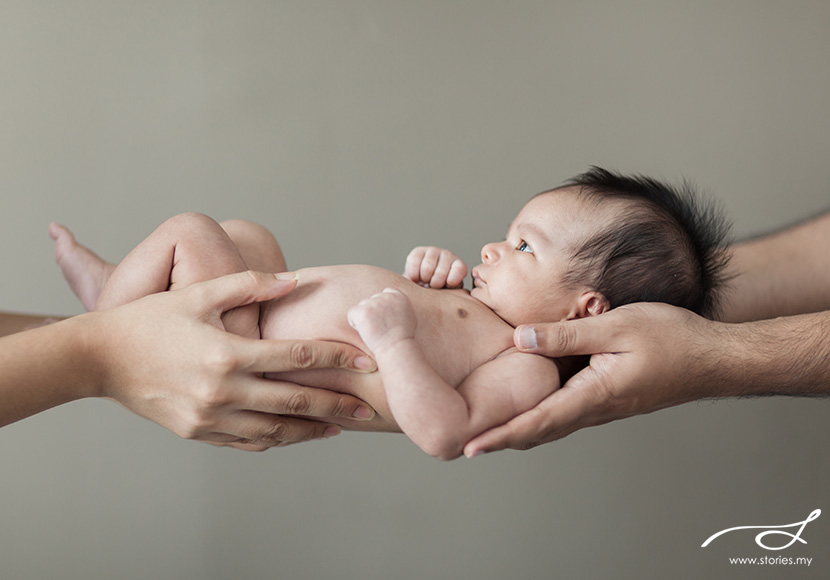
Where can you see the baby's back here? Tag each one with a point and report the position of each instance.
(456, 332)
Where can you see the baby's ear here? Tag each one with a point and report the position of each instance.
(590, 304)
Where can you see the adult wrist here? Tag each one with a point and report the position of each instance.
(783, 356)
(91, 354)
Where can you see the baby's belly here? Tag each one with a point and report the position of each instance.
(317, 308)
(456, 332)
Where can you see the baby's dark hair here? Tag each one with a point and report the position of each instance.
(666, 244)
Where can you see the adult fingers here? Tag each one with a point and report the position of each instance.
(234, 290)
(250, 447)
(241, 444)
(565, 411)
(280, 398)
(253, 429)
(590, 335)
(290, 355)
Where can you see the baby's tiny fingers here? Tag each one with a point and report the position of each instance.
(439, 278)
(412, 268)
(458, 271)
(429, 263)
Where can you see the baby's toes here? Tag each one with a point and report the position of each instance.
(64, 240)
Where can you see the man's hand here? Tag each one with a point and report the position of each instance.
(435, 268)
(645, 357)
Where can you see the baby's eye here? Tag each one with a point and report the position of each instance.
(523, 247)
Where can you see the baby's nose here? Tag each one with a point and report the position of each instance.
(489, 253)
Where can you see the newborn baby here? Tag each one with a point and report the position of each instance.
(448, 368)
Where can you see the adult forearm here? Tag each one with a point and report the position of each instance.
(784, 356)
(43, 368)
(781, 274)
(11, 323)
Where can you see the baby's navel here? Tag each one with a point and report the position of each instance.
(462, 313)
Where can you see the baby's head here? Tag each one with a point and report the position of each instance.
(600, 241)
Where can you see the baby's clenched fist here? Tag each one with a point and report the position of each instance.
(384, 319)
(435, 268)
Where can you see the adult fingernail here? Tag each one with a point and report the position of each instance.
(527, 338)
(363, 412)
(286, 275)
(365, 363)
(331, 431)
(471, 454)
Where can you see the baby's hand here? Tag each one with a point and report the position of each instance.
(384, 319)
(435, 268)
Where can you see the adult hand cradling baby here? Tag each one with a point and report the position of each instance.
(647, 357)
(167, 357)
(643, 351)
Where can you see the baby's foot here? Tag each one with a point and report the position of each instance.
(84, 270)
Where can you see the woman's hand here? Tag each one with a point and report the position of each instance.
(167, 357)
(435, 268)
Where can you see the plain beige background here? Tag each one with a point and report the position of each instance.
(356, 130)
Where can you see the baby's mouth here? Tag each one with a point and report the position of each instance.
(478, 281)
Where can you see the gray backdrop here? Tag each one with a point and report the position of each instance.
(355, 131)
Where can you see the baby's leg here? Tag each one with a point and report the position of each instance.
(185, 249)
(83, 269)
(256, 245)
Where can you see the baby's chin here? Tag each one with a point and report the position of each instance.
(507, 319)
(515, 319)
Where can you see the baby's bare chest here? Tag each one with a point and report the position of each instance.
(457, 333)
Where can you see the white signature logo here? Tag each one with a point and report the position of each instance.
(771, 530)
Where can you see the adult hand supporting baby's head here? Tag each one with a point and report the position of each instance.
(167, 357)
(644, 357)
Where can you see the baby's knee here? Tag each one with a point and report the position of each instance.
(188, 225)
(257, 245)
(190, 220)
(246, 229)
(250, 233)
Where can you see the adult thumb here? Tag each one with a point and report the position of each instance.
(568, 338)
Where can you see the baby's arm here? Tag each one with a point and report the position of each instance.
(435, 268)
(435, 416)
